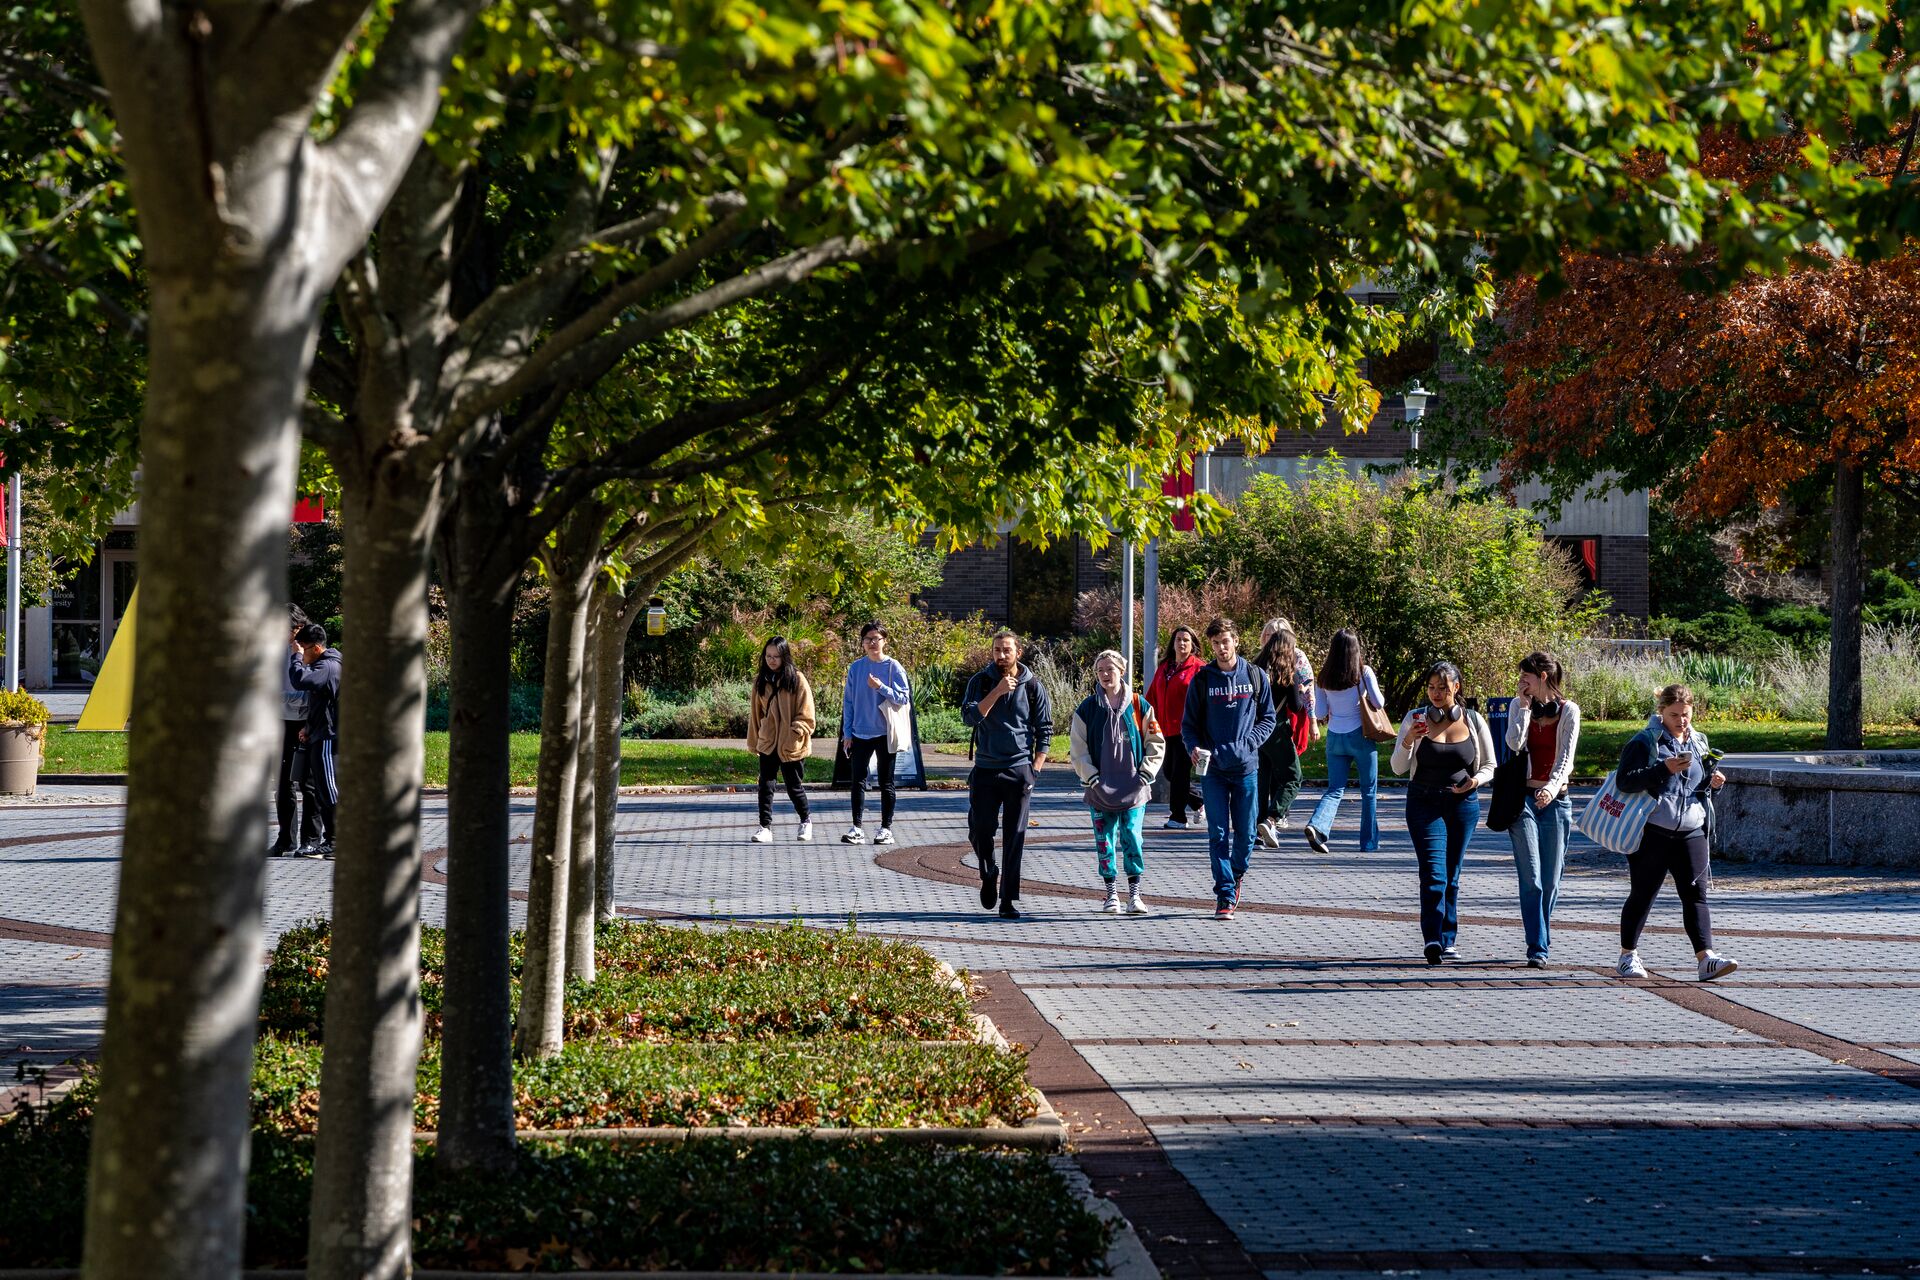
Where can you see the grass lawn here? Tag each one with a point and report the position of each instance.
(1602, 740)
(642, 762)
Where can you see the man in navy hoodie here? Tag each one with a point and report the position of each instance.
(1012, 722)
(1230, 712)
(314, 669)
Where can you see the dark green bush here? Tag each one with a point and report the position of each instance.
(781, 1206)
(1726, 631)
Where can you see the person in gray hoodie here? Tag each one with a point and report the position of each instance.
(293, 832)
(1116, 747)
(1012, 723)
(314, 669)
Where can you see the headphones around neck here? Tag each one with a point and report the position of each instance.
(1450, 716)
(1549, 710)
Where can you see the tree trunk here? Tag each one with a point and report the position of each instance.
(539, 1029)
(1845, 730)
(581, 879)
(363, 1161)
(476, 1046)
(610, 674)
(219, 455)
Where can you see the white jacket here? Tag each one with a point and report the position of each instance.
(1407, 762)
(1566, 739)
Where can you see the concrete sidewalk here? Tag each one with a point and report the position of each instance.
(1294, 1092)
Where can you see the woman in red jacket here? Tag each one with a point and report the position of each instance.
(1167, 695)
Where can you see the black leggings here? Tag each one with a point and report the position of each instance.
(790, 771)
(865, 749)
(1663, 853)
(1182, 795)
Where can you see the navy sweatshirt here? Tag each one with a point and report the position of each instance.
(1231, 714)
(321, 683)
(1018, 728)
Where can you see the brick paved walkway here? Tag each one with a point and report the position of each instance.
(1293, 1092)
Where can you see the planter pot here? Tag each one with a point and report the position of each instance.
(19, 758)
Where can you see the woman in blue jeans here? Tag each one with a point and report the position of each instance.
(1345, 678)
(1545, 724)
(1446, 752)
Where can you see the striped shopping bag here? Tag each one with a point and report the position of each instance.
(1613, 819)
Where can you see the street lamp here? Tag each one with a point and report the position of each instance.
(1415, 399)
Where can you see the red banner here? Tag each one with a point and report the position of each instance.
(1179, 486)
(309, 510)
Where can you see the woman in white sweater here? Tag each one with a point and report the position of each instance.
(1446, 753)
(1545, 724)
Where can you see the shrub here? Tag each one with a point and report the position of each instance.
(1726, 631)
(18, 707)
(787, 1206)
(1420, 574)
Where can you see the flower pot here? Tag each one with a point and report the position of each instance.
(19, 758)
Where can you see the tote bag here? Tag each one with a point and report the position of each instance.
(1614, 819)
(899, 726)
(1509, 792)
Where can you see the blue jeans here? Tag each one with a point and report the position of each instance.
(1230, 798)
(1347, 752)
(1441, 826)
(1539, 855)
(1121, 832)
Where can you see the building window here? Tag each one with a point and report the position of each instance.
(1585, 554)
(1040, 583)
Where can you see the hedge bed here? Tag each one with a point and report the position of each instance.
(703, 1206)
(658, 983)
(809, 1084)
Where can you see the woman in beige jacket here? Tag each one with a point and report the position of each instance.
(780, 732)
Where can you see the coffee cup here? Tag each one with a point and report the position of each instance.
(1202, 761)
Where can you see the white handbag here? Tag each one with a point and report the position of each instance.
(899, 722)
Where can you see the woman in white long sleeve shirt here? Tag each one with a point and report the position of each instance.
(1545, 724)
(1445, 751)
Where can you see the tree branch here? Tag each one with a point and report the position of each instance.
(370, 151)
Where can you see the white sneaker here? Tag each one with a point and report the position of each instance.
(1630, 966)
(1270, 831)
(1137, 905)
(806, 832)
(1714, 966)
(1112, 905)
(1174, 824)
(854, 836)
(883, 836)
(763, 836)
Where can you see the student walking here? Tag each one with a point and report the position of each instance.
(1347, 688)
(1012, 723)
(314, 669)
(1446, 752)
(1291, 678)
(1545, 724)
(1673, 763)
(780, 732)
(1116, 748)
(876, 686)
(1229, 715)
(295, 828)
(1167, 692)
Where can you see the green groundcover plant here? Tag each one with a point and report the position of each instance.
(659, 983)
(716, 1205)
(803, 1083)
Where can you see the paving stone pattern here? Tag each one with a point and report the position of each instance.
(1294, 1082)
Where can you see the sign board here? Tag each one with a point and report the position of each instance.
(909, 770)
(110, 700)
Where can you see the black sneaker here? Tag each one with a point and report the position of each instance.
(279, 849)
(1316, 840)
(1433, 953)
(989, 891)
(1008, 911)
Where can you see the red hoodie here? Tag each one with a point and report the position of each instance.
(1167, 693)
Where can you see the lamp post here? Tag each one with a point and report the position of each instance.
(1415, 399)
(16, 562)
